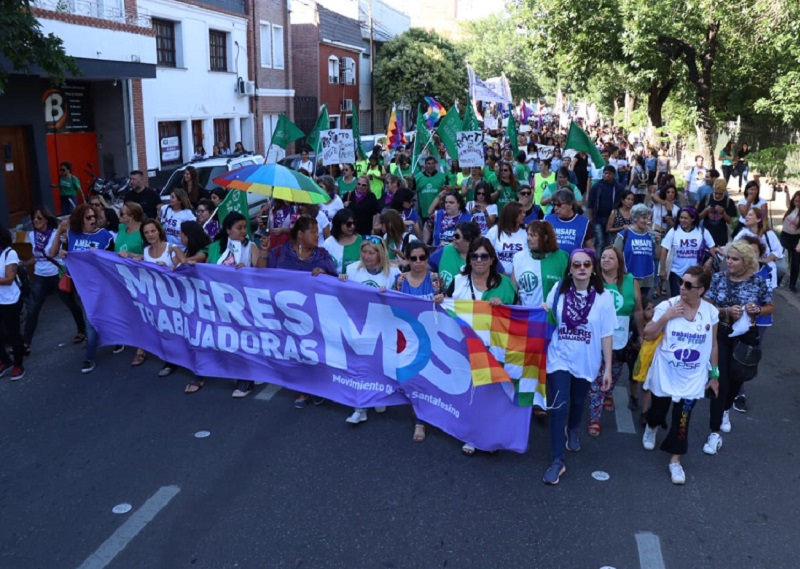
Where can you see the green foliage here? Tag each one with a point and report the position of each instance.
(416, 64)
(24, 45)
(778, 163)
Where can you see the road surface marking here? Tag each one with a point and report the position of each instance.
(624, 415)
(268, 392)
(649, 551)
(111, 547)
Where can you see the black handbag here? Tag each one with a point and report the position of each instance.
(744, 361)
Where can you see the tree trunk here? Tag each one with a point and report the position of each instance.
(705, 145)
(656, 97)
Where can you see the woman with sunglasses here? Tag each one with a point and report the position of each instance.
(374, 270)
(344, 244)
(507, 186)
(421, 282)
(562, 183)
(628, 303)
(530, 210)
(508, 236)
(690, 243)
(207, 218)
(176, 212)
(448, 261)
(573, 230)
(739, 294)
(364, 205)
(585, 320)
(82, 234)
(403, 203)
(46, 274)
(446, 219)
(684, 365)
(483, 211)
(347, 182)
(302, 254)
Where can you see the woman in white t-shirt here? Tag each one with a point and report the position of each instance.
(10, 307)
(585, 321)
(751, 200)
(684, 365)
(689, 242)
(508, 237)
(372, 270)
(172, 215)
(483, 211)
(754, 226)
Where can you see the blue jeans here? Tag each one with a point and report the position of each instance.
(600, 234)
(41, 288)
(92, 339)
(743, 173)
(566, 397)
(67, 205)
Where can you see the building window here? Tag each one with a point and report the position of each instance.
(266, 45)
(333, 69)
(348, 71)
(222, 131)
(218, 48)
(165, 42)
(277, 46)
(197, 133)
(169, 139)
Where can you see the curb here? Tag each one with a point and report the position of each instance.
(789, 297)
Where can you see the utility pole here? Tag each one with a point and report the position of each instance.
(371, 74)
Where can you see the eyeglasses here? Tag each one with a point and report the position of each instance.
(688, 285)
(417, 259)
(558, 204)
(479, 257)
(457, 236)
(524, 193)
(360, 184)
(350, 223)
(579, 264)
(374, 239)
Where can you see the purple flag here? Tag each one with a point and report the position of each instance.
(344, 341)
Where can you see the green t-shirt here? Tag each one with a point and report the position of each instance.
(376, 184)
(540, 184)
(130, 242)
(450, 264)
(344, 187)
(361, 167)
(69, 186)
(625, 300)
(428, 187)
(506, 195)
(490, 178)
(398, 171)
(505, 291)
(522, 172)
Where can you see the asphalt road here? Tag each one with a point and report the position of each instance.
(273, 486)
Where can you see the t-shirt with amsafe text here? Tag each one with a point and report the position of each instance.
(687, 246)
(428, 187)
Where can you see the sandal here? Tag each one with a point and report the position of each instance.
(468, 450)
(419, 433)
(139, 359)
(594, 429)
(608, 404)
(79, 338)
(194, 387)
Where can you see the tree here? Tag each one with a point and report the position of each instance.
(24, 45)
(419, 63)
(508, 51)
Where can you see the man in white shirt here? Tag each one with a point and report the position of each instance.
(694, 179)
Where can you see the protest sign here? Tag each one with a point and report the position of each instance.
(337, 146)
(490, 123)
(470, 149)
(544, 151)
(347, 342)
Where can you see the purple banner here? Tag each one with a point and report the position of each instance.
(344, 341)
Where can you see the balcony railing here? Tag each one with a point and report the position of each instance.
(111, 10)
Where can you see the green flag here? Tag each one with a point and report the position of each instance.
(285, 132)
(357, 136)
(421, 140)
(322, 124)
(448, 129)
(236, 200)
(511, 131)
(577, 139)
(470, 120)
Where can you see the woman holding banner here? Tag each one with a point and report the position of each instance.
(344, 244)
(303, 254)
(372, 270)
(585, 320)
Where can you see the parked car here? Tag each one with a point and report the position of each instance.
(211, 168)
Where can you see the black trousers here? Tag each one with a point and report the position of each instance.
(677, 441)
(9, 333)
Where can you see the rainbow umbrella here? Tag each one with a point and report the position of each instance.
(276, 181)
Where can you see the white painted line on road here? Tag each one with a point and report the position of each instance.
(111, 547)
(649, 551)
(268, 392)
(624, 415)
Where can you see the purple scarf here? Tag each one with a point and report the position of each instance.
(40, 241)
(577, 306)
(360, 196)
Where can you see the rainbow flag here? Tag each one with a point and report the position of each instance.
(435, 111)
(507, 344)
(394, 135)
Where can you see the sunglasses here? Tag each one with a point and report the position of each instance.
(524, 193)
(480, 193)
(479, 257)
(417, 259)
(374, 239)
(688, 285)
(579, 264)
(558, 204)
(362, 185)
(350, 223)
(458, 236)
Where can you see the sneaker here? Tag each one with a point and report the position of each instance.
(302, 401)
(318, 401)
(88, 366)
(26, 350)
(677, 473)
(243, 388)
(166, 370)
(118, 349)
(18, 373)
(553, 474)
(4, 368)
(713, 444)
(740, 404)
(573, 443)
(358, 416)
(649, 437)
(380, 409)
(725, 427)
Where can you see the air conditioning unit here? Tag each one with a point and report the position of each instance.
(246, 88)
(347, 105)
